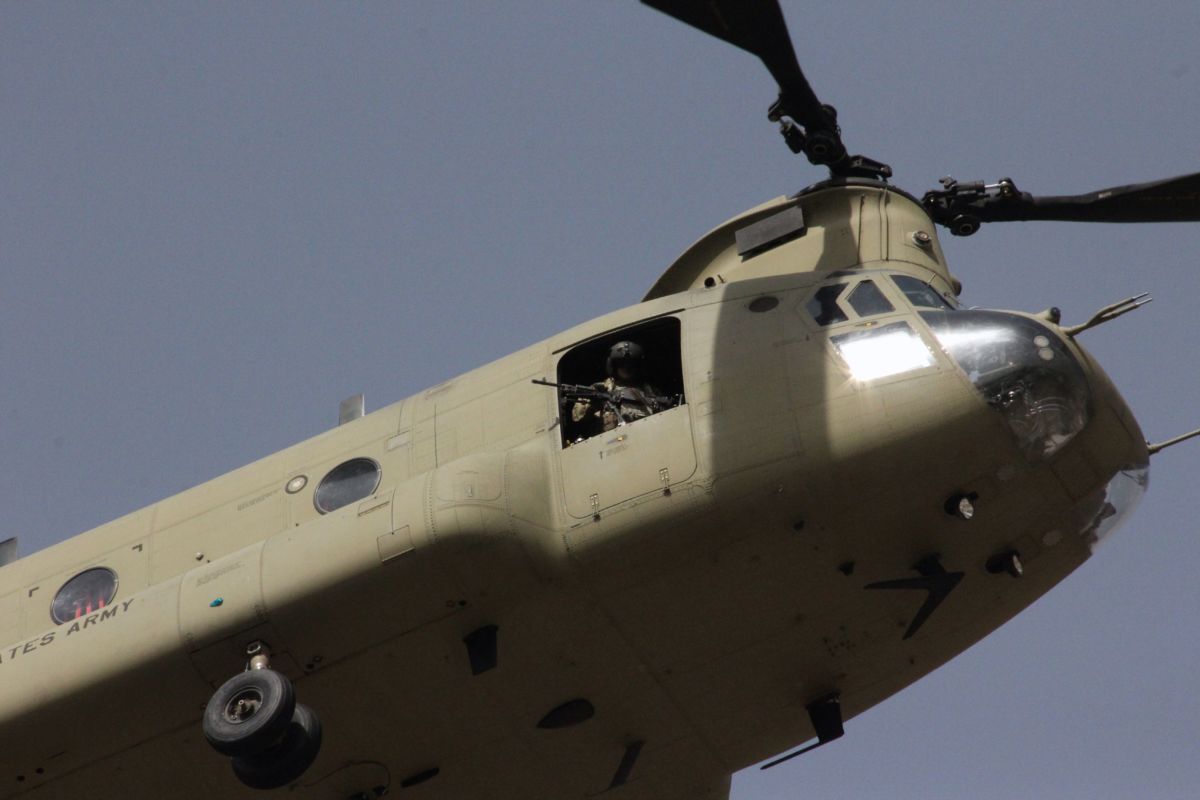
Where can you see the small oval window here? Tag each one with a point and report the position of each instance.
(86, 593)
(349, 481)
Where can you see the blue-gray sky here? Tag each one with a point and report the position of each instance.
(218, 220)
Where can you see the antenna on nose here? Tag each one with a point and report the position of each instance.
(1158, 448)
(1109, 313)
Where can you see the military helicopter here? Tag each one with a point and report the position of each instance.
(933, 619)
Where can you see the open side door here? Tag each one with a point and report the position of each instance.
(605, 465)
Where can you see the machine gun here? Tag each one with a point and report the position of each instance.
(575, 391)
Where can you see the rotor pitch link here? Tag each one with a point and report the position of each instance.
(962, 207)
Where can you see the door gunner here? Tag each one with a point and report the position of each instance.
(630, 397)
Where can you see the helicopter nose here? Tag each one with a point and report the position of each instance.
(1105, 511)
(1023, 371)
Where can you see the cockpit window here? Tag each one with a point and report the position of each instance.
(839, 302)
(867, 300)
(919, 293)
(1022, 370)
(883, 351)
(88, 592)
(349, 481)
(824, 307)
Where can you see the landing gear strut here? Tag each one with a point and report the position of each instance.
(254, 718)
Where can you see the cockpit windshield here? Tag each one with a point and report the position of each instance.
(1022, 370)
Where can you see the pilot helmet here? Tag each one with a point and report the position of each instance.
(629, 355)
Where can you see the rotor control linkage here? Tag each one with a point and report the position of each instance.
(962, 207)
(934, 579)
(824, 147)
(825, 714)
(808, 125)
(820, 142)
(959, 205)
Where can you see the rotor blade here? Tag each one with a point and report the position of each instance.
(758, 27)
(1171, 200)
(961, 207)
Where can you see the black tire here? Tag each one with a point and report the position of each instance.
(288, 760)
(266, 699)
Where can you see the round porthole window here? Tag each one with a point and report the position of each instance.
(86, 593)
(349, 481)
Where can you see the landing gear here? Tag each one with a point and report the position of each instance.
(286, 761)
(249, 712)
(254, 718)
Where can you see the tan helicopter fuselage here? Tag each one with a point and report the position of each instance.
(697, 576)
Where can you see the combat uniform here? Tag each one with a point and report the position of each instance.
(628, 404)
